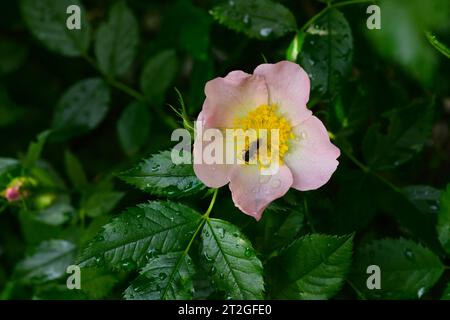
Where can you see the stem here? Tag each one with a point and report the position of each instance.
(331, 6)
(131, 92)
(307, 216)
(359, 293)
(367, 169)
(188, 247)
(211, 204)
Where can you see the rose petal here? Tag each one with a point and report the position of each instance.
(231, 97)
(252, 192)
(311, 157)
(212, 175)
(288, 87)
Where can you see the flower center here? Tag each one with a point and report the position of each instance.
(265, 118)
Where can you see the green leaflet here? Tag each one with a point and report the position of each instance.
(75, 170)
(408, 270)
(231, 260)
(158, 74)
(408, 130)
(313, 267)
(260, 19)
(47, 262)
(136, 234)
(159, 176)
(133, 127)
(117, 40)
(165, 277)
(443, 225)
(35, 149)
(46, 20)
(81, 108)
(327, 53)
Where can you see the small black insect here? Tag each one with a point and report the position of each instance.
(251, 151)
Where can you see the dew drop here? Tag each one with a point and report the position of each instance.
(421, 292)
(409, 254)
(213, 270)
(162, 276)
(128, 265)
(221, 232)
(276, 183)
(248, 252)
(207, 257)
(265, 32)
(246, 19)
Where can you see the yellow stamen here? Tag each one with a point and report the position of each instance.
(267, 117)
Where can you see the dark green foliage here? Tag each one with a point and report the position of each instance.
(86, 170)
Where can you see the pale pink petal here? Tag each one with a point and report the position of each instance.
(253, 192)
(288, 87)
(231, 97)
(311, 156)
(212, 175)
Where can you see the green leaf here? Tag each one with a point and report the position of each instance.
(446, 294)
(314, 267)
(189, 26)
(411, 214)
(439, 46)
(424, 198)
(231, 260)
(47, 262)
(35, 149)
(279, 226)
(260, 19)
(135, 235)
(159, 72)
(97, 283)
(82, 107)
(443, 225)
(165, 277)
(75, 170)
(8, 164)
(117, 40)
(408, 270)
(97, 202)
(328, 52)
(46, 19)
(406, 135)
(159, 176)
(133, 127)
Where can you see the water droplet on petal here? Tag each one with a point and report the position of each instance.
(276, 183)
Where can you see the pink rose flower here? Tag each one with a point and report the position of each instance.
(274, 97)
